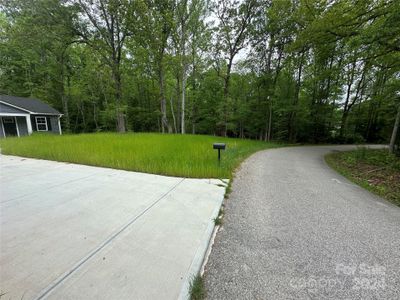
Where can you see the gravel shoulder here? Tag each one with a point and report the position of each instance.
(296, 229)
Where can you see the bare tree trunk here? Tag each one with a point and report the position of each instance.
(226, 95)
(277, 71)
(81, 111)
(118, 97)
(164, 120)
(183, 62)
(374, 105)
(346, 103)
(292, 117)
(269, 121)
(193, 107)
(95, 116)
(183, 104)
(65, 102)
(64, 98)
(173, 114)
(395, 130)
(343, 122)
(177, 116)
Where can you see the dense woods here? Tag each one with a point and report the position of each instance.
(298, 71)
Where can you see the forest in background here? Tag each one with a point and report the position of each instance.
(291, 70)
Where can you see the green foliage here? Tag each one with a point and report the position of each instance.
(219, 219)
(375, 170)
(313, 72)
(381, 158)
(360, 154)
(197, 290)
(175, 155)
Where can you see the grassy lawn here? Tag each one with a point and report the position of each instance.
(375, 170)
(175, 155)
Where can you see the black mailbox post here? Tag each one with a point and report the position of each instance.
(219, 147)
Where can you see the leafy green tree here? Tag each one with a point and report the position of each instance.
(105, 29)
(299, 71)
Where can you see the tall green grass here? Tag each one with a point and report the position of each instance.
(175, 155)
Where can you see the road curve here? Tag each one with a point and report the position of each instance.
(296, 229)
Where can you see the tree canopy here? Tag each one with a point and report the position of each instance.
(292, 70)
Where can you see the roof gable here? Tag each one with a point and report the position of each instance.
(29, 104)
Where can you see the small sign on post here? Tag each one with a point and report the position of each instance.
(219, 147)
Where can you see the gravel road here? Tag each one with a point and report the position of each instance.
(295, 229)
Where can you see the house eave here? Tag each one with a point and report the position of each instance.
(47, 114)
(17, 107)
(14, 114)
(30, 112)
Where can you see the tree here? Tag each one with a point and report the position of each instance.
(298, 71)
(158, 18)
(105, 29)
(232, 33)
(395, 130)
(189, 14)
(35, 51)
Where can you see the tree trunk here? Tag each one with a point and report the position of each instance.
(346, 103)
(183, 104)
(183, 63)
(226, 95)
(177, 120)
(120, 114)
(277, 71)
(118, 97)
(394, 133)
(193, 114)
(292, 116)
(343, 122)
(374, 106)
(173, 114)
(269, 121)
(64, 98)
(164, 120)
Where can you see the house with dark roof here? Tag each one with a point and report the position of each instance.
(22, 116)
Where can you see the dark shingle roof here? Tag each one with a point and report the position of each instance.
(33, 105)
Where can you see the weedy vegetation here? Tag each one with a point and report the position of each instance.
(219, 219)
(197, 290)
(166, 154)
(376, 170)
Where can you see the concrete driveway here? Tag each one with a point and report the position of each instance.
(77, 232)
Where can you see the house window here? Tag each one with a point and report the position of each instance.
(41, 124)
